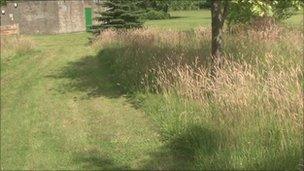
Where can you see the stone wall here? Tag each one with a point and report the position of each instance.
(71, 16)
(47, 17)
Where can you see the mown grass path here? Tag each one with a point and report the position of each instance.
(60, 111)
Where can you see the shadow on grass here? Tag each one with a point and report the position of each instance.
(186, 150)
(177, 17)
(203, 148)
(196, 147)
(88, 75)
(93, 160)
(92, 75)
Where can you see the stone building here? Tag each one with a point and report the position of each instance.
(49, 16)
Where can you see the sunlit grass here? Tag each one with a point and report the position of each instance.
(59, 110)
(297, 19)
(183, 20)
(187, 20)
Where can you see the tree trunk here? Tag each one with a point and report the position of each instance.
(217, 24)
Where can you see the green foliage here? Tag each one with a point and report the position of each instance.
(204, 4)
(240, 12)
(155, 9)
(243, 11)
(284, 9)
(2, 2)
(164, 5)
(155, 15)
(158, 5)
(190, 4)
(185, 5)
(119, 14)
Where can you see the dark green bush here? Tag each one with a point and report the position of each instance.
(2, 2)
(155, 15)
(190, 4)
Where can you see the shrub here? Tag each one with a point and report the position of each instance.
(155, 15)
(190, 4)
(185, 5)
(118, 14)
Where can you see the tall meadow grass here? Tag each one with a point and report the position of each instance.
(16, 44)
(247, 115)
(12, 46)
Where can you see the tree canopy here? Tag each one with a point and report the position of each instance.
(245, 10)
(2, 2)
(242, 11)
(119, 14)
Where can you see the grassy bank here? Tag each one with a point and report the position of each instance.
(249, 115)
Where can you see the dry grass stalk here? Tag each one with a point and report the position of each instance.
(18, 44)
(272, 84)
(239, 86)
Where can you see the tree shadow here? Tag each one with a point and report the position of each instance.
(177, 17)
(186, 150)
(93, 160)
(206, 148)
(183, 17)
(88, 75)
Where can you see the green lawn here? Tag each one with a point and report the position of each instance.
(297, 19)
(186, 20)
(60, 111)
(183, 20)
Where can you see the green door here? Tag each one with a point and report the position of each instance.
(88, 18)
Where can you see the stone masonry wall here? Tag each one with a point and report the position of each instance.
(71, 16)
(48, 16)
(34, 17)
